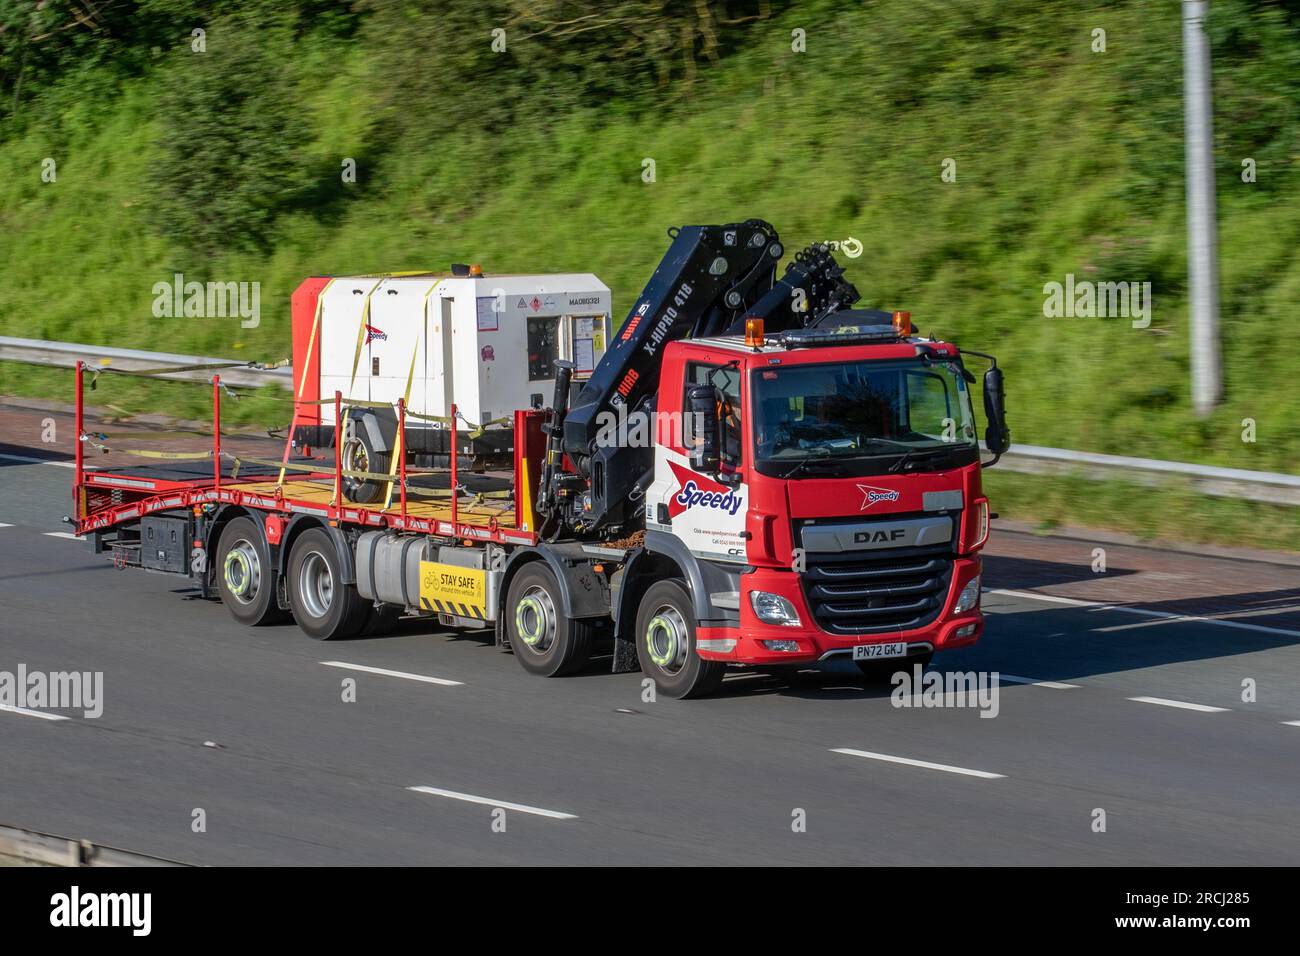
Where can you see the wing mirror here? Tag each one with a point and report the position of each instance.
(997, 436)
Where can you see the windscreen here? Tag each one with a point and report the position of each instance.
(856, 416)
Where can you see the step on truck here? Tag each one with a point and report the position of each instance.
(748, 471)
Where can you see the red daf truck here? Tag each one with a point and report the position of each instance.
(748, 471)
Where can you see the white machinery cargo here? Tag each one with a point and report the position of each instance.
(486, 343)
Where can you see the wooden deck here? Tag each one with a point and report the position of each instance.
(420, 503)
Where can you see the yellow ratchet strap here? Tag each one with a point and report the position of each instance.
(406, 396)
(148, 452)
(169, 369)
(361, 332)
(271, 462)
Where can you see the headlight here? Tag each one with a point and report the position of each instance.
(969, 597)
(773, 609)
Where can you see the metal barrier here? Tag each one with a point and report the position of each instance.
(1269, 487)
(1265, 486)
(45, 849)
(67, 354)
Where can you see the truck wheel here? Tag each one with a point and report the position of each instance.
(245, 574)
(324, 607)
(544, 641)
(885, 669)
(665, 627)
(358, 454)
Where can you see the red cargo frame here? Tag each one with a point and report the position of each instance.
(170, 494)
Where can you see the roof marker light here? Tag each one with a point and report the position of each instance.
(754, 333)
(838, 335)
(903, 323)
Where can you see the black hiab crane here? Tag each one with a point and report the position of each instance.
(711, 279)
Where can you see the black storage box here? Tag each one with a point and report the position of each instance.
(165, 544)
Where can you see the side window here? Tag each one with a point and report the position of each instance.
(928, 404)
(725, 378)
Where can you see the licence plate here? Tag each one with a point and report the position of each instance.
(875, 652)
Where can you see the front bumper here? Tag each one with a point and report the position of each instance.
(745, 644)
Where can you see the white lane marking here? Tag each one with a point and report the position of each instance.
(387, 673)
(489, 802)
(917, 763)
(1043, 597)
(1013, 679)
(3, 525)
(1159, 622)
(61, 534)
(1145, 612)
(1203, 708)
(1291, 723)
(39, 461)
(1182, 618)
(31, 713)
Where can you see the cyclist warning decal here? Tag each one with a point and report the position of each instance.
(453, 590)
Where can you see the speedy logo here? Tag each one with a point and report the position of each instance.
(871, 496)
(696, 490)
(373, 333)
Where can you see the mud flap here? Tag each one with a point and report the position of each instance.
(625, 660)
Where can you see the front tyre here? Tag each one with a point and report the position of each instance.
(544, 640)
(324, 607)
(665, 627)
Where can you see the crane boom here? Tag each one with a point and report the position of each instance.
(711, 278)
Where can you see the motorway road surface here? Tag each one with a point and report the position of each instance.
(250, 726)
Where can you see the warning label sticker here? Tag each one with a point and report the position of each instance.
(452, 589)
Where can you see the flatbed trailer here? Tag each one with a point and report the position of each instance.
(99, 493)
(300, 494)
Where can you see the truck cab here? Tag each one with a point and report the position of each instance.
(829, 506)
